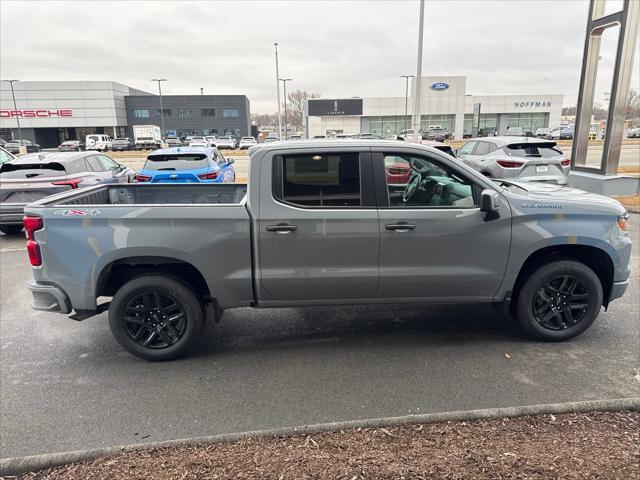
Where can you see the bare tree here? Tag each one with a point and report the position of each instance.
(633, 105)
(295, 107)
(264, 119)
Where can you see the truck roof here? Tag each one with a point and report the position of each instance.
(342, 142)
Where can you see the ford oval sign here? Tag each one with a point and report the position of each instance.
(439, 86)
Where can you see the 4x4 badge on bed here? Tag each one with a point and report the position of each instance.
(78, 212)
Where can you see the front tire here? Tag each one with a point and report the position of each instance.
(559, 301)
(156, 318)
(10, 229)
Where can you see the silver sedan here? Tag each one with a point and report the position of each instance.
(523, 158)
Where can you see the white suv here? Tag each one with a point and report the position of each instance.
(98, 142)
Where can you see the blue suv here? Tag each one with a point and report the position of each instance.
(187, 165)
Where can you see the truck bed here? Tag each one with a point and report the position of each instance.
(152, 194)
(89, 231)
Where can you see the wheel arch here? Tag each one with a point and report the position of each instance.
(595, 258)
(119, 271)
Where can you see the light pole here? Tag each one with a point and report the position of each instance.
(278, 89)
(406, 98)
(416, 108)
(284, 86)
(15, 107)
(160, 80)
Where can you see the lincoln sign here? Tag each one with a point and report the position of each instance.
(64, 112)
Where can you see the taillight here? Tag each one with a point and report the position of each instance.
(208, 176)
(72, 182)
(397, 171)
(566, 163)
(32, 225)
(142, 178)
(509, 163)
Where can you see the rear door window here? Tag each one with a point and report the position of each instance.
(176, 162)
(319, 180)
(77, 166)
(31, 170)
(483, 148)
(94, 164)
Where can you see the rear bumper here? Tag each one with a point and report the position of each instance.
(618, 289)
(11, 214)
(49, 298)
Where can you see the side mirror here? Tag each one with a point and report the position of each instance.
(489, 205)
(230, 161)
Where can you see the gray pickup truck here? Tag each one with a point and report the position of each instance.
(324, 223)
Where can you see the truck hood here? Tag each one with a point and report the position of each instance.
(551, 193)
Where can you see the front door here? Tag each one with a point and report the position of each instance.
(318, 226)
(434, 242)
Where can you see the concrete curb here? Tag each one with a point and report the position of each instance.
(18, 465)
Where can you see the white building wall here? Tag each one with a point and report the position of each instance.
(93, 104)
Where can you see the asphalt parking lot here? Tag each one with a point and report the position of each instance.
(68, 385)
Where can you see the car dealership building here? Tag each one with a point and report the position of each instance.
(444, 102)
(52, 112)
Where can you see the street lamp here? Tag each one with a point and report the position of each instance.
(15, 107)
(284, 86)
(406, 98)
(160, 80)
(278, 89)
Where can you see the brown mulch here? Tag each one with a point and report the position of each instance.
(571, 446)
(629, 200)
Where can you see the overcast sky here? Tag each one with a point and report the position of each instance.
(338, 49)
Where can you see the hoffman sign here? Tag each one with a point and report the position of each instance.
(538, 103)
(64, 112)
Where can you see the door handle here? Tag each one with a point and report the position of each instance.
(400, 227)
(281, 228)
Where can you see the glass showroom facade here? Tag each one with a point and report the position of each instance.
(392, 125)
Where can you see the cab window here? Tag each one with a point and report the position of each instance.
(417, 181)
(319, 180)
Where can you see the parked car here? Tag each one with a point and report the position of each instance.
(295, 137)
(633, 133)
(71, 146)
(515, 132)
(344, 136)
(316, 137)
(37, 175)
(198, 142)
(542, 132)
(187, 165)
(98, 142)
(211, 139)
(368, 136)
(5, 156)
(122, 144)
(554, 133)
(566, 134)
(225, 142)
(246, 142)
(2, 142)
(522, 158)
(172, 257)
(436, 135)
(173, 142)
(14, 146)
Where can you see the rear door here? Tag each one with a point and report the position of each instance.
(99, 173)
(317, 226)
(434, 242)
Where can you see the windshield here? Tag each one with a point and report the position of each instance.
(31, 170)
(176, 162)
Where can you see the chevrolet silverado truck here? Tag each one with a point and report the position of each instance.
(325, 223)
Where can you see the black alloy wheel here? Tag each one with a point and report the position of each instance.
(561, 302)
(155, 319)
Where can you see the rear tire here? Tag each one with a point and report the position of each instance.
(156, 318)
(10, 229)
(559, 301)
